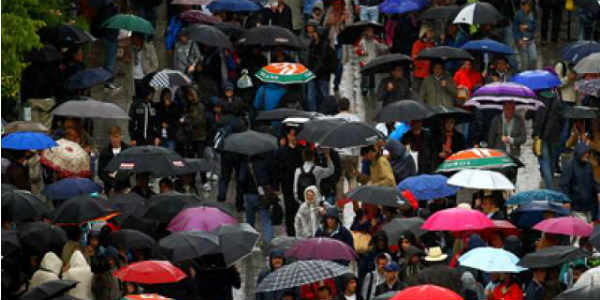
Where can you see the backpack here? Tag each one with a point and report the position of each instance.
(305, 180)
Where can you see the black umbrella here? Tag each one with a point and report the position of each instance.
(404, 110)
(595, 237)
(130, 203)
(314, 130)
(385, 63)
(20, 205)
(129, 221)
(131, 239)
(64, 35)
(46, 54)
(80, 209)
(440, 113)
(350, 134)
(90, 108)
(397, 226)
(478, 13)
(440, 275)
(581, 112)
(592, 7)
(379, 195)
(164, 207)
(42, 237)
(223, 206)
(441, 13)
(49, 290)
(282, 113)
(158, 161)
(445, 53)
(233, 31)
(201, 164)
(10, 242)
(586, 292)
(209, 36)
(187, 245)
(250, 143)
(552, 256)
(270, 36)
(87, 78)
(236, 241)
(352, 32)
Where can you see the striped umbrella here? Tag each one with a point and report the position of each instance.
(285, 73)
(477, 158)
(169, 78)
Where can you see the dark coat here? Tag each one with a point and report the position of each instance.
(423, 145)
(458, 144)
(136, 122)
(340, 234)
(401, 91)
(283, 18)
(384, 288)
(518, 134)
(320, 58)
(577, 181)
(287, 161)
(549, 130)
(402, 162)
(217, 284)
(104, 158)
(328, 184)
(170, 115)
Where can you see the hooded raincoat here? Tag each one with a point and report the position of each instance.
(79, 270)
(49, 270)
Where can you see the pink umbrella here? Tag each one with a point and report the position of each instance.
(457, 219)
(200, 218)
(321, 248)
(566, 226)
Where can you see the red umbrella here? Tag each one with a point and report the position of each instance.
(503, 227)
(150, 272)
(426, 292)
(457, 219)
(565, 225)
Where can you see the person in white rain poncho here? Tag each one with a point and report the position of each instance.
(80, 271)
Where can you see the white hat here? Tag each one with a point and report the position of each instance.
(435, 254)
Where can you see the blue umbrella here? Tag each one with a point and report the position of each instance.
(233, 6)
(70, 187)
(490, 259)
(574, 52)
(537, 79)
(26, 140)
(539, 194)
(533, 212)
(401, 6)
(488, 45)
(87, 78)
(427, 187)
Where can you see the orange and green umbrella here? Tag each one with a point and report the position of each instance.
(477, 158)
(285, 73)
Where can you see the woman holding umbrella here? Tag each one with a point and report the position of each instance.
(447, 141)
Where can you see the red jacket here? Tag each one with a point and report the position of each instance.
(421, 66)
(514, 292)
(468, 78)
(309, 291)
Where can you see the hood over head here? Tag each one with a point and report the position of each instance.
(51, 262)
(332, 212)
(315, 190)
(276, 253)
(468, 280)
(346, 278)
(380, 236)
(78, 260)
(318, 4)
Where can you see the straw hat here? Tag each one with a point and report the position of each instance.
(435, 254)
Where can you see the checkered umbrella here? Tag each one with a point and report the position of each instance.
(168, 79)
(301, 273)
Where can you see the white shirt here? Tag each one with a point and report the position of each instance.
(116, 151)
(138, 71)
(353, 297)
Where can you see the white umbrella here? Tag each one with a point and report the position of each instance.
(478, 13)
(481, 180)
(588, 277)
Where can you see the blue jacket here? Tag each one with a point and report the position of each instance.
(521, 18)
(268, 96)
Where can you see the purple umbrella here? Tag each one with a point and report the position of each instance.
(321, 248)
(505, 89)
(494, 95)
(200, 218)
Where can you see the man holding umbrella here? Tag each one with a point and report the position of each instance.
(438, 88)
(395, 87)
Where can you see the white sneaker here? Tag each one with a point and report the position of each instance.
(207, 187)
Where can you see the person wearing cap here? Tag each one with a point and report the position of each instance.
(392, 281)
(332, 228)
(186, 53)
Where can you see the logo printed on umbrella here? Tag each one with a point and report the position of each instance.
(178, 163)
(281, 40)
(127, 166)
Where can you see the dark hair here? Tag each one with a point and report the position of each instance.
(166, 181)
(324, 287)
(165, 91)
(308, 154)
(344, 103)
(73, 232)
(367, 149)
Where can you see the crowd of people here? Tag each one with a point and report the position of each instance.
(302, 185)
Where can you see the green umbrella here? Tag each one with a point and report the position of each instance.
(285, 73)
(129, 22)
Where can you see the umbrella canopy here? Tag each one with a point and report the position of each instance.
(80, 209)
(575, 51)
(489, 259)
(87, 78)
(131, 239)
(223, 206)
(321, 248)
(488, 46)
(533, 212)
(478, 13)
(180, 246)
(42, 237)
(150, 272)
(457, 219)
(502, 227)
(209, 36)
(595, 237)
(353, 32)
(481, 180)
(283, 243)
(64, 35)
(20, 205)
(426, 292)
(128, 204)
(397, 226)
(282, 113)
(19, 126)
(378, 195)
(301, 273)
(270, 36)
(588, 87)
(350, 134)
(45, 54)
(385, 63)
(445, 53)
(233, 6)
(494, 95)
(589, 277)
(68, 159)
(552, 256)
(200, 218)
(129, 22)
(27, 141)
(440, 113)
(49, 289)
(285, 73)
(539, 194)
(233, 31)
(427, 187)
(149, 296)
(572, 226)
(236, 241)
(401, 6)
(250, 143)
(588, 292)
(444, 13)
(386, 296)
(592, 7)
(198, 16)
(537, 79)
(163, 208)
(158, 161)
(167, 78)
(90, 108)
(403, 111)
(191, 2)
(589, 64)
(313, 130)
(10, 242)
(477, 158)
(70, 187)
(201, 164)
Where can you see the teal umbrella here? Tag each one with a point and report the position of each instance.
(129, 22)
(539, 194)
